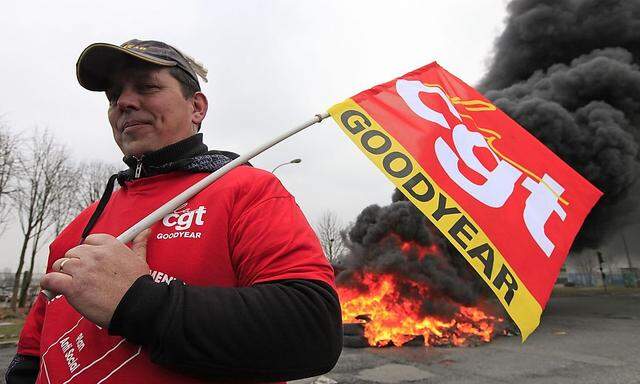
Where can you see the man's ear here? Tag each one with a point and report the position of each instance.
(200, 105)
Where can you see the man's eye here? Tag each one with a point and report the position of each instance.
(149, 87)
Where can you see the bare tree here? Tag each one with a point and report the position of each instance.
(8, 165)
(89, 180)
(60, 186)
(66, 206)
(329, 230)
(38, 185)
(92, 179)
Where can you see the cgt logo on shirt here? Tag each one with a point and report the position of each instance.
(181, 220)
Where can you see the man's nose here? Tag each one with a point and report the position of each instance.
(128, 99)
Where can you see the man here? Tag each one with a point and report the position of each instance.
(231, 286)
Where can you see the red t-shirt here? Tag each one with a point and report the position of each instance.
(243, 229)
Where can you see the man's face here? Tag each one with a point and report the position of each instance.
(147, 110)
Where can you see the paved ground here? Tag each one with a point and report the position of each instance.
(581, 340)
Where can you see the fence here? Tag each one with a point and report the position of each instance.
(617, 277)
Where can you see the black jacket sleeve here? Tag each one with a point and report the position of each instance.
(274, 331)
(23, 369)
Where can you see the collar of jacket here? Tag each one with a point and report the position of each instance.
(190, 155)
(149, 163)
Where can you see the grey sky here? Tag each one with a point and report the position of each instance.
(272, 65)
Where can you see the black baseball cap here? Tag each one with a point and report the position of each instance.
(99, 60)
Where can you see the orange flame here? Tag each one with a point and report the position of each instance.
(395, 319)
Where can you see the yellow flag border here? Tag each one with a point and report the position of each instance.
(459, 228)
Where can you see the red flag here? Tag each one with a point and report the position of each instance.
(504, 200)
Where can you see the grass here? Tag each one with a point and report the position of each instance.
(14, 323)
(11, 330)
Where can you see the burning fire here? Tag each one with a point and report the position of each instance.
(394, 317)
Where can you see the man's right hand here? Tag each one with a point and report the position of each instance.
(95, 275)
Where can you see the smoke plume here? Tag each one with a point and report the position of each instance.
(568, 71)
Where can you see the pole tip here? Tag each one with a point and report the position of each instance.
(48, 294)
(321, 116)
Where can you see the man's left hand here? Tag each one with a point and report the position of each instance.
(95, 275)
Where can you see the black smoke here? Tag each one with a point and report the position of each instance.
(568, 71)
(375, 242)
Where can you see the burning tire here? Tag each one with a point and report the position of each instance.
(351, 341)
(353, 329)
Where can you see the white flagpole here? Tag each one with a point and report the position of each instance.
(183, 197)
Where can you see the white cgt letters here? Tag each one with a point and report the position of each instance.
(184, 219)
(500, 181)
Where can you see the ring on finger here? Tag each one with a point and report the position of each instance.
(62, 264)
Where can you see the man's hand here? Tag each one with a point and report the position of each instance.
(95, 275)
